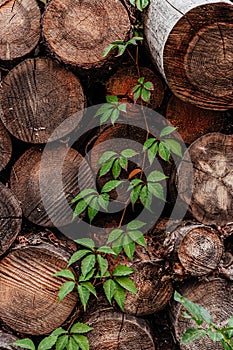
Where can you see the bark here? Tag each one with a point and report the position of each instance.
(10, 218)
(117, 331)
(77, 32)
(19, 28)
(123, 81)
(192, 122)
(5, 147)
(215, 296)
(32, 100)
(209, 178)
(46, 182)
(29, 292)
(6, 341)
(191, 44)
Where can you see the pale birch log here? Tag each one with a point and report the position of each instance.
(191, 43)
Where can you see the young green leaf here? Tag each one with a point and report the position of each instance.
(83, 194)
(104, 201)
(87, 277)
(65, 289)
(111, 185)
(62, 342)
(129, 153)
(72, 345)
(112, 98)
(155, 176)
(116, 169)
(167, 131)
(152, 151)
(86, 242)
(65, 273)
(47, 343)
(114, 116)
(129, 248)
(84, 295)
(106, 167)
(114, 234)
(135, 225)
(106, 116)
(106, 250)
(174, 146)
(146, 198)
(192, 334)
(59, 331)
(145, 95)
(156, 190)
(78, 255)
(135, 194)
(82, 341)
(122, 270)
(226, 346)
(149, 85)
(80, 328)
(135, 235)
(127, 284)
(117, 245)
(90, 287)
(214, 335)
(87, 264)
(80, 207)
(107, 156)
(109, 289)
(123, 162)
(148, 143)
(103, 264)
(108, 49)
(137, 94)
(164, 151)
(92, 212)
(122, 107)
(25, 343)
(119, 296)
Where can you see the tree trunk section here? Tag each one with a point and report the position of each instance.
(122, 82)
(117, 331)
(32, 100)
(46, 182)
(29, 292)
(209, 178)
(10, 218)
(77, 32)
(192, 122)
(5, 147)
(19, 28)
(215, 296)
(6, 341)
(191, 43)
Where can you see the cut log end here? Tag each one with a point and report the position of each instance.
(5, 147)
(32, 101)
(29, 292)
(114, 331)
(19, 28)
(79, 31)
(199, 70)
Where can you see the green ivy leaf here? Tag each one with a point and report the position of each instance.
(65, 289)
(87, 277)
(148, 143)
(156, 190)
(127, 284)
(136, 235)
(174, 146)
(90, 287)
(59, 331)
(149, 85)
(72, 344)
(106, 250)
(106, 116)
(145, 95)
(109, 289)
(114, 116)
(83, 194)
(108, 49)
(155, 176)
(103, 264)
(118, 244)
(92, 212)
(87, 264)
(214, 335)
(78, 255)
(25, 343)
(122, 107)
(167, 131)
(123, 163)
(80, 328)
(146, 198)
(86, 242)
(106, 167)
(135, 225)
(137, 94)
(135, 194)
(82, 341)
(107, 156)
(114, 235)
(112, 98)
(62, 342)
(65, 273)
(192, 334)
(152, 152)
(119, 296)
(164, 152)
(122, 270)
(116, 169)
(226, 347)
(80, 208)
(129, 153)
(47, 343)
(111, 185)
(104, 201)
(129, 248)
(84, 295)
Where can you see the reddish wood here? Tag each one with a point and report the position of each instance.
(5, 147)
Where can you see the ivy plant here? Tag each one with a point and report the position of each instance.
(143, 90)
(110, 110)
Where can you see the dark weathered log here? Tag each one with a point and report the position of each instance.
(123, 81)
(6, 341)
(5, 147)
(191, 43)
(113, 330)
(36, 97)
(79, 31)
(10, 218)
(192, 122)
(45, 192)
(199, 247)
(29, 292)
(212, 174)
(19, 28)
(215, 296)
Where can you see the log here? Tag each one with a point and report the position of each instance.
(113, 330)
(192, 122)
(29, 292)
(123, 81)
(215, 296)
(10, 218)
(44, 200)
(5, 147)
(32, 100)
(19, 28)
(6, 341)
(190, 42)
(209, 178)
(77, 32)
(198, 247)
